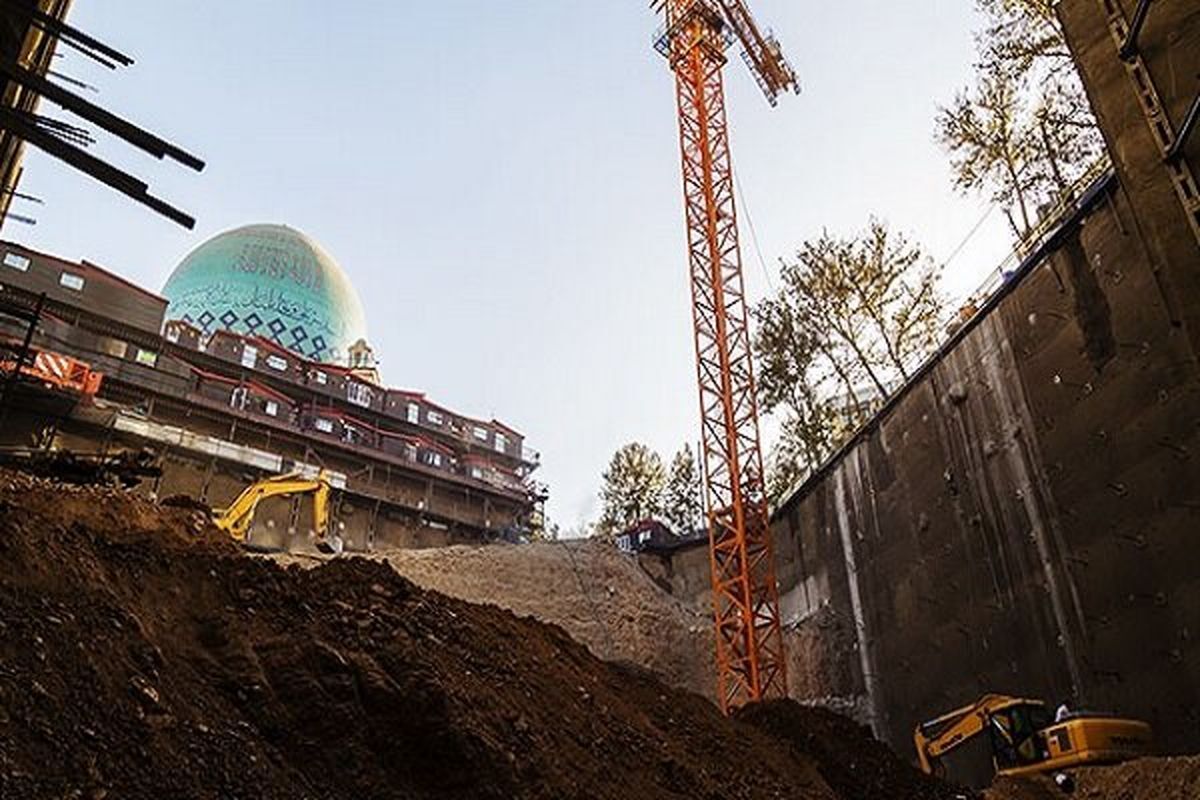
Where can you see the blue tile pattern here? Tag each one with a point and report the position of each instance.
(269, 281)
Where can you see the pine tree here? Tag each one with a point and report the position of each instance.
(683, 506)
(632, 489)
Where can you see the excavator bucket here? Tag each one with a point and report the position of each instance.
(331, 545)
(330, 541)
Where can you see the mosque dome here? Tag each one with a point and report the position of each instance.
(270, 281)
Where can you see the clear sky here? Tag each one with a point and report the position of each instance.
(501, 181)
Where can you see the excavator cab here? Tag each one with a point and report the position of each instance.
(1014, 733)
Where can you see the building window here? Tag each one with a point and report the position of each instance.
(237, 398)
(359, 394)
(477, 473)
(16, 261)
(146, 358)
(501, 443)
(410, 452)
(71, 281)
(414, 413)
(433, 459)
(480, 433)
(271, 407)
(435, 418)
(277, 363)
(324, 425)
(249, 355)
(172, 334)
(116, 348)
(349, 434)
(320, 377)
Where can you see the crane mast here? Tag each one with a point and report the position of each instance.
(749, 639)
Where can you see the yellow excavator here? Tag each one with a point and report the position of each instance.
(1026, 738)
(237, 519)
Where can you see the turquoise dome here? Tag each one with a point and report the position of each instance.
(270, 281)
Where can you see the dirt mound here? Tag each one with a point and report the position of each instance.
(600, 596)
(854, 763)
(141, 655)
(1145, 779)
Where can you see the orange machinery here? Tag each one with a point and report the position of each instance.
(750, 651)
(56, 371)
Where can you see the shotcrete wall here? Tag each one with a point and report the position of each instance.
(1024, 516)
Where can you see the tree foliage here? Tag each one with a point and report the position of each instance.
(853, 317)
(632, 488)
(1023, 133)
(683, 505)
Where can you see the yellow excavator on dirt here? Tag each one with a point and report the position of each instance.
(237, 519)
(1026, 738)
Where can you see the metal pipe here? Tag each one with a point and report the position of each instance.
(110, 122)
(1185, 130)
(1129, 48)
(85, 162)
(68, 33)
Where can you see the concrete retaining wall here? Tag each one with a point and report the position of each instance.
(1024, 518)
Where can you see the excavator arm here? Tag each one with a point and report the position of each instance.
(237, 519)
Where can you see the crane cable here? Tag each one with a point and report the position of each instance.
(753, 232)
(970, 235)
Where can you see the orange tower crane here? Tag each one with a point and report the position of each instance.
(750, 652)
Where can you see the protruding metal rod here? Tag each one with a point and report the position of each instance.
(73, 81)
(1130, 47)
(63, 130)
(20, 196)
(68, 33)
(85, 162)
(110, 122)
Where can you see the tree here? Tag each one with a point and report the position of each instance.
(1023, 36)
(991, 140)
(632, 488)
(1024, 133)
(683, 506)
(852, 318)
(543, 530)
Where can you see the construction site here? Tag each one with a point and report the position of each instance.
(236, 563)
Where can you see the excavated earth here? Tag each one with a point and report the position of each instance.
(599, 595)
(1145, 779)
(142, 655)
